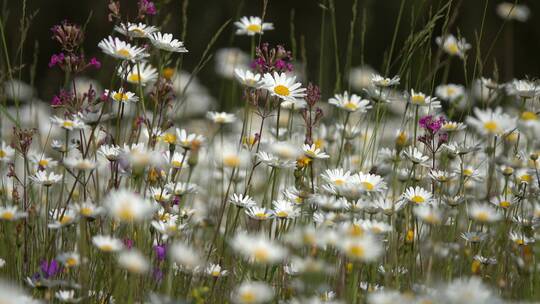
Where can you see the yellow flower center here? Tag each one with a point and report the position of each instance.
(339, 182)
(418, 199)
(176, 163)
(525, 178)
(356, 230)
(3, 153)
(70, 262)
(119, 96)
(43, 163)
(401, 139)
(169, 138)
(254, 28)
(282, 214)
(134, 78)
(282, 90)
(8, 215)
(138, 32)
(106, 247)
(491, 126)
(126, 214)
(418, 99)
(351, 106)
(260, 254)
(467, 172)
(482, 216)
(248, 297)
(261, 215)
(67, 124)
(356, 251)
(368, 186)
(231, 161)
(65, 219)
(123, 53)
(450, 91)
(504, 204)
(527, 115)
(168, 73)
(86, 211)
(453, 48)
(215, 273)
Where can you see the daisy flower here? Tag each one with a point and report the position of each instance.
(384, 82)
(453, 46)
(350, 103)
(248, 78)
(417, 195)
(184, 255)
(415, 156)
(142, 73)
(370, 183)
(283, 86)
(258, 248)
(523, 88)
(88, 209)
(513, 11)
(450, 92)
(215, 271)
(491, 122)
(133, 261)
(284, 209)
(107, 243)
(188, 140)
(274, 161)
(337, 177)
(6, 153)
(242, 201)
(67, 296)
(252, 25)
(42, 178)
(135, 30)
(69, 259)
(312, 152)
(126, 206)
(68, 124)
(121, 96)
(452, 126)
(11, 213)
(252, 293)
(221, 117)
(420, 99)
(166, 42)
(428, 214)
(75, 162)
(121, 50)
(110, 152)
(259, 213)
(364, 249)
(484, 213)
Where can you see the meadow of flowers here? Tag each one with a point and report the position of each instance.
(394, 186)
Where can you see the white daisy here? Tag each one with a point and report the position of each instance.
(142, 73)
(248, 78)
(350, 103)
(283, 86)
(252, 25)
(135, 30)
(121, 96)
(122, 50)
(166, 42)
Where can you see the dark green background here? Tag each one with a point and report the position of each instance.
(205, 17)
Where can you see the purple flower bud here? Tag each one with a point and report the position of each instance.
(95, 63)
(128, 243)
(161, 252)
(56, 60)
(49, 270)
(56, 101)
